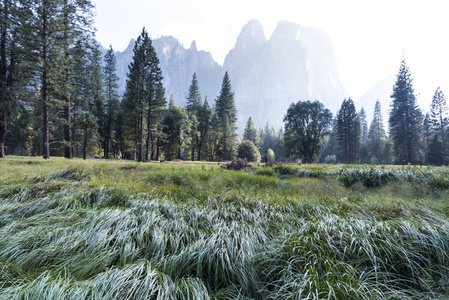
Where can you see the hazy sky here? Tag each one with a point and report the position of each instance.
(369, 37)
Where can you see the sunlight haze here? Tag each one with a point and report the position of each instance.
(370, 37)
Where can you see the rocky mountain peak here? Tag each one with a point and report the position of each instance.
(193, 46)
(252, 33)
(286, 30)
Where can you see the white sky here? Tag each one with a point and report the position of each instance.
(369, 36)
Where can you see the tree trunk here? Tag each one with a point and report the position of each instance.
(85, 144)
(149, 123)
(3, 131)
(140, 151)
(3, 70)
(106, 143)
(67, 111)
(199, 152)
(45, 99)
(45, 128)
(67, 131)
(157, 149)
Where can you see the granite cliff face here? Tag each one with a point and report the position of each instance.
(294, 64)
(178, 65)
(268, 75)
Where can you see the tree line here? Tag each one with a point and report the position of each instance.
(59, 97)
(414, 137)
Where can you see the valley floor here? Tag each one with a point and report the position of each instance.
(191, 230)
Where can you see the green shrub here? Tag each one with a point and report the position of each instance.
(248, 150)
(270, 155)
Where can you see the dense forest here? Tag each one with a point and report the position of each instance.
(59, 97)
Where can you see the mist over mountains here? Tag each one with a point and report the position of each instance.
(267, 75)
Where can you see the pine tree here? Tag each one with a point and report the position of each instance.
(251, 133)
(200, 119)
(364, 153)
(112, 99)
(174, 127)
(10, 51)
(330, 145)
(55, 26)
(405, 119)
(96, 89)
(267, 140)
(348, 131)
(439, 115)
(363, 126)
(144, 99)
(194, 98)
(93, 103)
(227, 117)
(135, 96)
(435, 154)
(194, 111)
(376, 132)
(155, 104)
(427, 136)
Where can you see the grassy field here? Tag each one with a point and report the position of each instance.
(124, 230)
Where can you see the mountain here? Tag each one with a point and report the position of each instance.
(178, 65)
(267, 75)
(380, 91)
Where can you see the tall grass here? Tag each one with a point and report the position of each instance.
(123, 230)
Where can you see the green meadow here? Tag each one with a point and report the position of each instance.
(74, 229)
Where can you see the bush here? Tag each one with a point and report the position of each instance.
(330, 159)
(270, 155)
(248, 150)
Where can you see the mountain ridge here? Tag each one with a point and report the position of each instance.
(267, 75)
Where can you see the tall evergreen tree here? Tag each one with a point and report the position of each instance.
(92, 104)
(144, 99)
(204, 129)
(110, 79)
(54, 29)
(250, 133)
(364, 153)
(156, 105)
(174, 128)
(427, 136)
(194, 111)
(194, 98)
(439, 113)
(363, 126)
(227, 117)
(405, 119)
(12, 15)
(330, 145)
(376, 132)
(435, 154)
(348, 131)
(96, 89)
